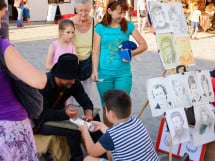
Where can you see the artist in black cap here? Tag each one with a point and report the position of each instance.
(62, 83)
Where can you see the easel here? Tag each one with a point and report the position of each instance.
(163, 73)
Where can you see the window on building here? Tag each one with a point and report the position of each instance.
(59, 1)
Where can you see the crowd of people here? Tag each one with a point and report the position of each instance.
(80, 39)
(118, 135)
(23, 11)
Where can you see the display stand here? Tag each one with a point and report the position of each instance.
(54, 14)
(163, 73)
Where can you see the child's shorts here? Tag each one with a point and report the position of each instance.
(26, 12)
(194, 25)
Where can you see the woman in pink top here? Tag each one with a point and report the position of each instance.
(62, 45)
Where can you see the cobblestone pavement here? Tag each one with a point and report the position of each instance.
(33, 41)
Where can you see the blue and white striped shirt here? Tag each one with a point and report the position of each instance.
(129, 141)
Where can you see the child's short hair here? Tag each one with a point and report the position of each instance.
(119, 102)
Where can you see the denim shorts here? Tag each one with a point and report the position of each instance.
(194, 25)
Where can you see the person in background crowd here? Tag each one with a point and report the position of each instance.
(62, 45)
(19, 4)
(17, 140)
(4, 28)
(141, 15)
(128, 139)
(26, 11)
(195, 15)
(109, 71)
(83, 41)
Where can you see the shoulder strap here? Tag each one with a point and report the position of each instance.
(93, 32)
(3, 66)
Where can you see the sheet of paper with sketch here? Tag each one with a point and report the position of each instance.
(159, 98)
(184, 50)
(167, 51)
(204, 126)
(206, 85)
(178, 125)
(178, 91)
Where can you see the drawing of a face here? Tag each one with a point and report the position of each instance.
(175, 21)
(167, 51)
(193, 89)
(178, 88)
(205, 118)
(177, 122)
(159, 95)
(205, 85)
(158, 16)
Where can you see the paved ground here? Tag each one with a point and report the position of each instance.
(33, 41)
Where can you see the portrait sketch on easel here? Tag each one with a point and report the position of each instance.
(163, 140)
(194, 88)
(178, 125)
(177, 18)
(195, 152)
(179, 92)
(206, 85)
(204, 127)
(159, 18)
(167, 51)
(184, 50)
(159, 98)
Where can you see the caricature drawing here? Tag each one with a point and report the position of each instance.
(205, 86)
(177, 21)
(204, 126)
(163, 140)
(206, 121)
(158, 18)
(178, 125)
(160, 96)
(181, 132)
(194, 91)
(181, 95)
(167, 51)
(184, 50)
(193, 150)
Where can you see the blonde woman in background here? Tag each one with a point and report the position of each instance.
(83, 39)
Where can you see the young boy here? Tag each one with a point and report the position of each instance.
(195, 21)
(127, 139)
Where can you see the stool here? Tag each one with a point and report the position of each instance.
(57, 145)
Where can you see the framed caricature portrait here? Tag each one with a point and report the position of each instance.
(163, 140)
(195, 152)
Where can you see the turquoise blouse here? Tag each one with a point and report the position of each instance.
(110, 62)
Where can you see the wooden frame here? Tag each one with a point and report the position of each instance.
(177, 150)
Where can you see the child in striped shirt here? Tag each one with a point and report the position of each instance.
(126, 140)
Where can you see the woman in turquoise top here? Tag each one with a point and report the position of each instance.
(109, 71)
